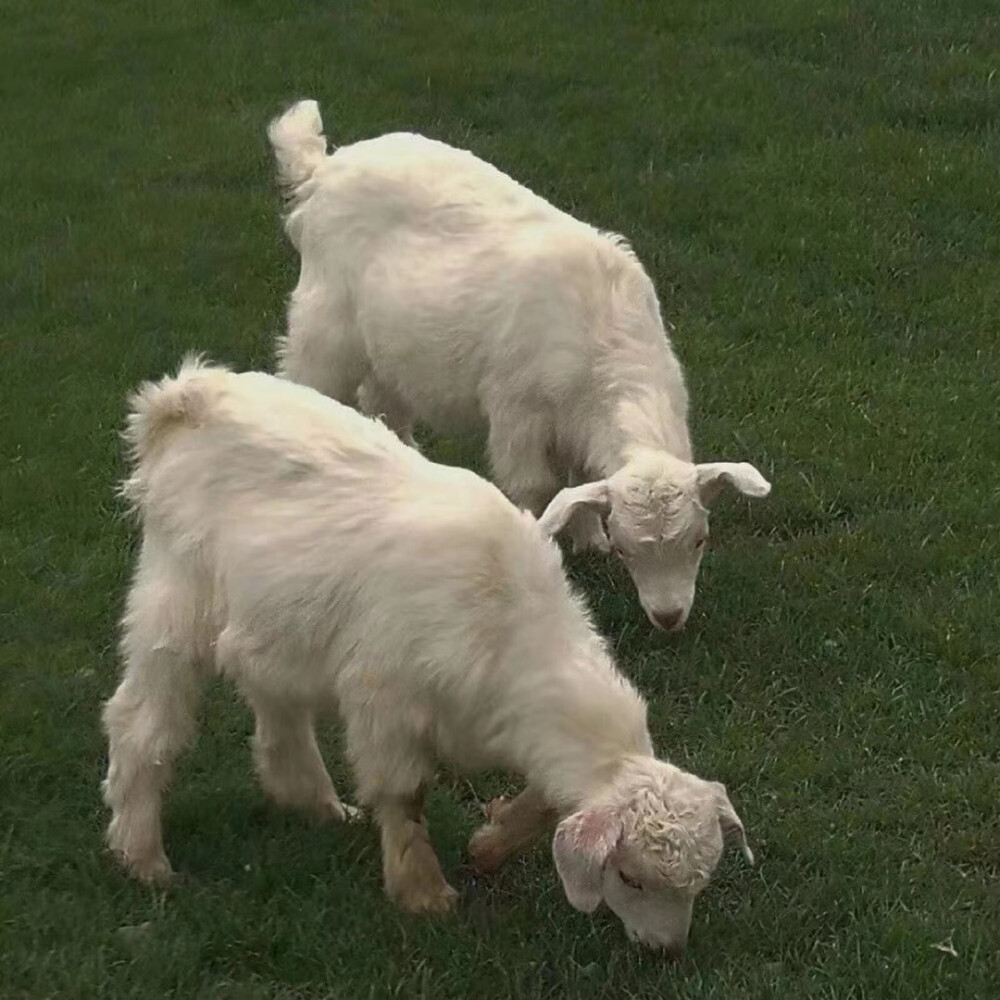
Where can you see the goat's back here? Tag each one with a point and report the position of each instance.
(315, 533)
(413, 180)
(460, 288)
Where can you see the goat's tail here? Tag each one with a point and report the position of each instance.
(299, 144)
(157, 408)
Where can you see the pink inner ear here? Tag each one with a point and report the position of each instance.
(596, 831)
(593, 826)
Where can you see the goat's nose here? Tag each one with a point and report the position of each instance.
(668, 620)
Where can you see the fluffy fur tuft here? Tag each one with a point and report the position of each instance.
(299, 144)
(157, 408)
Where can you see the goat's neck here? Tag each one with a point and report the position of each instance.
(580, 735)
(647, 411)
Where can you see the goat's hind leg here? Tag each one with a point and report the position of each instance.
(148, 720)
(322, 348)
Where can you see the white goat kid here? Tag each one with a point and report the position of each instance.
(435, 287)
(303, 551)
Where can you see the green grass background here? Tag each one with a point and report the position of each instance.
(814, 189)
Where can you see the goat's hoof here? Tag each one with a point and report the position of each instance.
(594, 542)
(425, 892)
(335, 811)
(493, 808)
(484, 857)
(437, 902)
(150, 869)
(487, 850)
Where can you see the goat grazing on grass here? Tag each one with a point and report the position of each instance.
(302, 550)
(435, 287)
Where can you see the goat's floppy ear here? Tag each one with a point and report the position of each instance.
(742, 475)
(731, 824)
(581, 846)
(565, 502)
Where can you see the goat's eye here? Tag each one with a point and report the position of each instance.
(700, 544)
(630, 882)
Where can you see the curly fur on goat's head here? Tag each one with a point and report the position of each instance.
(670, 827)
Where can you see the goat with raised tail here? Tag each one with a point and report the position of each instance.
(303, 551)
(435, 287)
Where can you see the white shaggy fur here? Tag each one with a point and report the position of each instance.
(435, 287)
(303, 551)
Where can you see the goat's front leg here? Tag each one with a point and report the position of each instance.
(288, 758)
(519, 446)
(412, 873)
(511, 826)
(587, 533)
(585, 528)
(150, 717)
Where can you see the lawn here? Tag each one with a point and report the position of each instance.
(814, 189)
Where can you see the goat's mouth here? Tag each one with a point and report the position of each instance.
(669, 621)
(669, 950)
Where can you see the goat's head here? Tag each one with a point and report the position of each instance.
(655, 515)
(647, 846)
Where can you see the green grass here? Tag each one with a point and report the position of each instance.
(814, 189)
